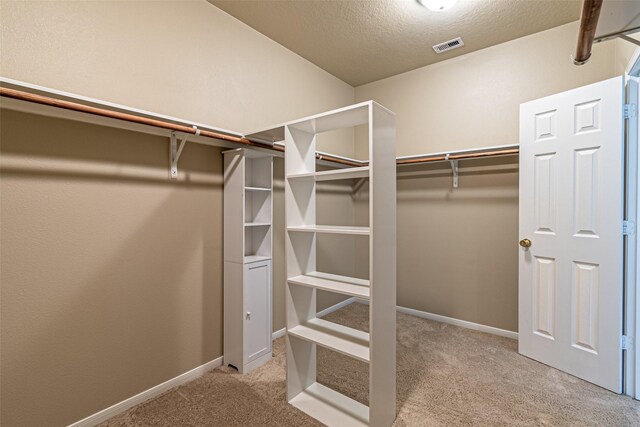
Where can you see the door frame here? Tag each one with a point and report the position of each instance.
(631, 307)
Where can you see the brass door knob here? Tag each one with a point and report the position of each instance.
(525, 243)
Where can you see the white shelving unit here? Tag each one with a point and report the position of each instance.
(304, 330)
(248, 212)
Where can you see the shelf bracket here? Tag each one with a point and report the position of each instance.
(174, 153)
(454, 169)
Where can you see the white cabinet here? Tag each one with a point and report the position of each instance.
(257, 306)
(248, 210)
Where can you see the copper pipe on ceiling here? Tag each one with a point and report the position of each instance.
(73, 106)
(588, 23)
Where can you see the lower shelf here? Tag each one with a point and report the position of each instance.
(348, 341)
(330, 407)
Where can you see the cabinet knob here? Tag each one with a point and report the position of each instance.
(248, 315)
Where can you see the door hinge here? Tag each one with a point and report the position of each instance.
(628, 228)
(630, 111)
(626, 342)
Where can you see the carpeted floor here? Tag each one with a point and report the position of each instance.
(446, 376)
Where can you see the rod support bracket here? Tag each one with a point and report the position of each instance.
(454, 169)
(175, 151)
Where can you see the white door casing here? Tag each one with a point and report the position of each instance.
(571, 208)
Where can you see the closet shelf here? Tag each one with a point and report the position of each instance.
(257, 189)
(330, 407)
(331, 229)
(257, 224)
(333, 283)
(248, 259)
(342, 339)
(349, 173)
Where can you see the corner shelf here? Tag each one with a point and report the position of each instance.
(304, 330)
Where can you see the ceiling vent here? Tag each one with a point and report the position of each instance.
(451, 44)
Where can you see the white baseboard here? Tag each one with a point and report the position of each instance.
(335, 307)
(277, 334)
(453, 321)
(139, 398)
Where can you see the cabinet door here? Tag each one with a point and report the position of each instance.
(257, 307)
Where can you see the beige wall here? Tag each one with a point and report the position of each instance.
(624, 53)
(457, 249)
(473, 100)
(111, 274)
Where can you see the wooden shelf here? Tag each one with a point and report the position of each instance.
(248, 259)
(333, 283)
(330, 407)
(349, 173)
(342, 339)
(257, 189)
(331, 229)
(257, 224)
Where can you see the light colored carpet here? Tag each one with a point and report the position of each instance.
(446, 376)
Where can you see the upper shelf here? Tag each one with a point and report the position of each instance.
(346, 117)
(348, 173)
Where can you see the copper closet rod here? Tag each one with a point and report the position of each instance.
(73, 106)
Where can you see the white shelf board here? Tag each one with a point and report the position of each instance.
(248, 259)
(353, 115)
(342, 339)
(348, 173)
(330, 407)
(331, 229)
(256, 189)
(257, 224)
(333, 283)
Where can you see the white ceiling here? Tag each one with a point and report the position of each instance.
(361, 41)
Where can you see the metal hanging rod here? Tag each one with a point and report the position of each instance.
(191, 129)
(163, 124)
(474, 153)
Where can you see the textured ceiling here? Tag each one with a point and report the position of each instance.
(363, 41)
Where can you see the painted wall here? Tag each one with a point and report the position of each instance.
(457, 249)
(111, 275)
(624, 53)
(473, 100)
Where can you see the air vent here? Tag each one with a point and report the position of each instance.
(451, 44)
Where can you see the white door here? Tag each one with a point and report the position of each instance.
(257, 320)
(571, 213)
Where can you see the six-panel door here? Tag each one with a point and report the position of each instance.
(571, 210)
